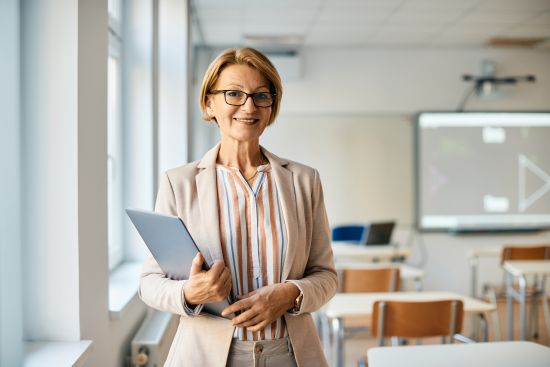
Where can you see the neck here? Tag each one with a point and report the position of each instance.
(241, 155)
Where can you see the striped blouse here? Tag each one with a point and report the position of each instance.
(252, 237)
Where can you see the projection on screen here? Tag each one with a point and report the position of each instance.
(483, 171)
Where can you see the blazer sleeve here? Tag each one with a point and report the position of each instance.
(155, 288)
(320, 279)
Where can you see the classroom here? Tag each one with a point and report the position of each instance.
(381, 199)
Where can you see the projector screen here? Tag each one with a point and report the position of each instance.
(482, 171)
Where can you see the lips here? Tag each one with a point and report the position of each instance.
(247, 120)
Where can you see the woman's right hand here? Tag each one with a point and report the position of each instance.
(209, 286)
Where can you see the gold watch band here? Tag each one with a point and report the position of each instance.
(297, 303)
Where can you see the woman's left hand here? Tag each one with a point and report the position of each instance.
(261, 307)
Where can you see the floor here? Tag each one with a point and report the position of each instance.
(357, 345)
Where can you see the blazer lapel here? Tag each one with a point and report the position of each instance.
(287, 197)
(206, 181)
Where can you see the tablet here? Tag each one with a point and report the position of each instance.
(172, 247)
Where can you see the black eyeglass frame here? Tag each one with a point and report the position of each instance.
(224, 91)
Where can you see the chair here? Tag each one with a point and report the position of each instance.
(352, 233)
(383, 279)
(402, 319)
(417, 319)
(519, 252)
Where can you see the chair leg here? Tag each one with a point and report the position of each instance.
(494, 315)
(545, 306)
(534, 327)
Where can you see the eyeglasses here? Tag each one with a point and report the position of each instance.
(238, 98)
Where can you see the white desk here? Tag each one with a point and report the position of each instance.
(498, 354)
(473, 261)
(520, 270)
(360, 304)
(406, 272)
(344, 251)
(485, 252)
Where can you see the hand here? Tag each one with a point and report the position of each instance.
(261, 307)
(209, 286)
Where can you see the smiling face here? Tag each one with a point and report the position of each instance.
(244, 123)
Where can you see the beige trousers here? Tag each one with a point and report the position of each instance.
(265, 353)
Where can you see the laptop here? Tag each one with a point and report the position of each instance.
(379, 233)
(172, 247)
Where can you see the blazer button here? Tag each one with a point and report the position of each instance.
(258, 348)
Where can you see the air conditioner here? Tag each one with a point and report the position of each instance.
(151, 343)
(288, 64)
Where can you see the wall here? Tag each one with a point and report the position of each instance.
(405, 81)
(64, 149)
(350, 116)
(11, 323)
(173, 83)
(50, 171)
(364, 161)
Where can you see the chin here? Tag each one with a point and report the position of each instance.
(246, 134)
(244, 137)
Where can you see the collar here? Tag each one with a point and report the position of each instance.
(209, 159)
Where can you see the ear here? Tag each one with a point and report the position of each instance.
(209, 108)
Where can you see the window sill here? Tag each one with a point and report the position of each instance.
(38, 354)
(123, 286)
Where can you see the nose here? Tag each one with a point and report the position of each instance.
(248, 104)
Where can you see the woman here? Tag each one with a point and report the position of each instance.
(261, 225)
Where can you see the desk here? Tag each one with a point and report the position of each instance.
(406, 272)
(501, 354)
(344, 251)
(473, 261)
(483, 252)
(360, 304)
(522, 269)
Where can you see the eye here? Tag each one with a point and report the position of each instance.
(262, 95)
(234, 93)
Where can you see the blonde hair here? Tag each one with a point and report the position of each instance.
(242, 56)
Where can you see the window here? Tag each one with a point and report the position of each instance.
(115, 164)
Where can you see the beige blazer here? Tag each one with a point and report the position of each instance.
(190, 192)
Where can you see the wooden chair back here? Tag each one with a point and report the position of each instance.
(515, 252)
(416, 319)
(384, 279)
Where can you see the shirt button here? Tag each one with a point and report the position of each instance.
(258, 348)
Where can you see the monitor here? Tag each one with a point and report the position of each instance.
(482, 171)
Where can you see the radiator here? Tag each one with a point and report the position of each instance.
(152, 341)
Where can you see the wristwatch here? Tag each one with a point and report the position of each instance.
(297, 303)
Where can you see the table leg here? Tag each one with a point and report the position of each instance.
(509, 305)
(338, 342)
(325, 330)
(474, 263)
(545, 304)
(484, 327)
(418, 284)
(522, 307)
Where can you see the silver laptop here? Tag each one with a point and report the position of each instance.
(172, 247)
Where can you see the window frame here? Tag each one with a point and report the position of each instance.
(115, 150)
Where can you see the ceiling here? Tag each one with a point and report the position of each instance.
(370, 23)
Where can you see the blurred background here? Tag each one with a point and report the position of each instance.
(98, 97)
